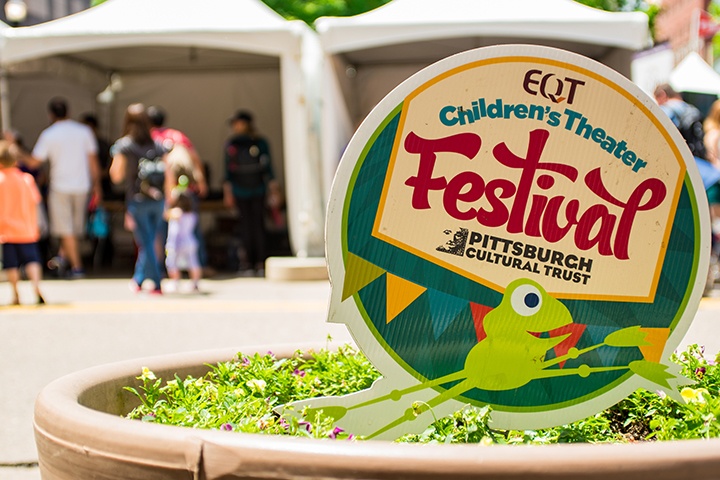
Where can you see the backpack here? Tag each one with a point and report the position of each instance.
(151, 173)
(246, 163)
(689, 121)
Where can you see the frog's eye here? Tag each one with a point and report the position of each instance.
(526, 300)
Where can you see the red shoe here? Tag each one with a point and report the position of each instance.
(156, 291)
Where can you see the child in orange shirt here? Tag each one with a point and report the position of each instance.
(19, 231)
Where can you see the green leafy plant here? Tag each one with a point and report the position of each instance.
(241, 395)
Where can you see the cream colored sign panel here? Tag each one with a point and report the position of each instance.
(534, 168)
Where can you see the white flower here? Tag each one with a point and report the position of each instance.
(256, 385)
(147, 374)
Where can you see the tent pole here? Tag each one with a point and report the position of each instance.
(4, 100)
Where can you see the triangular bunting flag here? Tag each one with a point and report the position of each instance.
(657, 337)
(444, 309)
(400, 294)
(575, 330)
(478, 313)
(358, 274)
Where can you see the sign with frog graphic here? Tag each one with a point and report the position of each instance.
(514, 226)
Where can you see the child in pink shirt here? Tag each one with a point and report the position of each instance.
(19, 231)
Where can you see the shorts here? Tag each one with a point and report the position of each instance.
(67, 212)
(18, 254)
(183, 258)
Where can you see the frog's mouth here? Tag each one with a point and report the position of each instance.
(575, 329)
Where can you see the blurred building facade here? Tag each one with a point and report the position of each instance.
(679, 24)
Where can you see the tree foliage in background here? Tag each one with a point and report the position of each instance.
(310, 10)
(650, 9)
(714, 11)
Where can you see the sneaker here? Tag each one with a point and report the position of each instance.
(55, 262)
(134, 287)
(156, 291)
(58, 266)
(76, 273)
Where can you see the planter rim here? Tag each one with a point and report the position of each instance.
(63, 420)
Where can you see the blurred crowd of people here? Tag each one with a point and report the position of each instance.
(702, 135)
(52, 196)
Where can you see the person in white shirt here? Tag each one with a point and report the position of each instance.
(71, 151)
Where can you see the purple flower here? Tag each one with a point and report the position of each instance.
(299, 373)
(700, 371)
(351, 437)
(283, 423)
(227, 427)
(245, 361)
(306, 426)
(335, 432)
(150, 417)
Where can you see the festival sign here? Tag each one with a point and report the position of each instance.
(519, 227)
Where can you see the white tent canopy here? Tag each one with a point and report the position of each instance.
(694, 74)
(200, 59)
(369, 54)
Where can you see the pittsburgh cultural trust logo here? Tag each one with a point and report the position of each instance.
(518, 255)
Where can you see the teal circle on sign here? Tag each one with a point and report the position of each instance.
(414, 336)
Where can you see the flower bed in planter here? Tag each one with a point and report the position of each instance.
(80, 434)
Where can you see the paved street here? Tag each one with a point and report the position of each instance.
(90, 322)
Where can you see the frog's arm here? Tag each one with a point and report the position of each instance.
(572, 354)
(582, 370)
(626, 337)
(653, 371)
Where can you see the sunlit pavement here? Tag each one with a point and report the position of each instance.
(91, 322)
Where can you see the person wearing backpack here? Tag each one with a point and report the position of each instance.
(687, 118)
(702, 142)
(139, 162)
(248, 171)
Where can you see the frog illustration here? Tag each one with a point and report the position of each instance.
(513, 353)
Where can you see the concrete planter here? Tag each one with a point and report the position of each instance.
(80, 435)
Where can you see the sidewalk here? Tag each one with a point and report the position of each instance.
(95, 321)
(91, 322)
